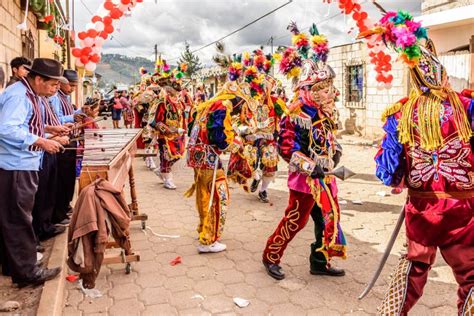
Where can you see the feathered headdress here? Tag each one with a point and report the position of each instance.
(401, 33)
(313, 53)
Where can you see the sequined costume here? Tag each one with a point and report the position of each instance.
(211, 134)
(257, 127)
(307, 142)
(427, 149)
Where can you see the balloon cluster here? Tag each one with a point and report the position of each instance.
(100, 28)
(380, 59)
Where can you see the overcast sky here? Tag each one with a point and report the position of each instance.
(169, 23)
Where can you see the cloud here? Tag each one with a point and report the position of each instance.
(171, 22)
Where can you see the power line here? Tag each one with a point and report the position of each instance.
(243, 27)
(85, 6)
(236, 31)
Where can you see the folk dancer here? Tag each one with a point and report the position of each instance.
(427, 148)
(211, 134)
(258, 127)
(64, 109)
(22, 143)
(166, 119)
(307, 141)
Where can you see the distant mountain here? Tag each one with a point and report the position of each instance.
(116, 68)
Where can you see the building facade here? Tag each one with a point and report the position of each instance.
(13, 41)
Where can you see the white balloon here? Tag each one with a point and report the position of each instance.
(91, 66)
(99, 26)
(79, 63)
(99, 41)
(88, 42)
(96, 50)
(380, 86)
(388, 86)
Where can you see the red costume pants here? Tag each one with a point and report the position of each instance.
(300, 207)
(165, 162)
(459, 256)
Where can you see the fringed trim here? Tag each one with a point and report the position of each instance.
(315, 190)
(390, 110)
(429, 122)
(301, 120)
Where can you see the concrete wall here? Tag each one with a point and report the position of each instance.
(446, 39)
(367, 118)
(432, 6)
(10, 36)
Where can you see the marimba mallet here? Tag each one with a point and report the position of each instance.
(104, 118)
(101, 149)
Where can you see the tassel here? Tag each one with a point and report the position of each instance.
(190, 191)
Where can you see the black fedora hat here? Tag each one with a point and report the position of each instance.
(71, 75)
(48, 68)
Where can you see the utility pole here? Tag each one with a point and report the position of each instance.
(271, 45)
(68, 36)
(156, 52)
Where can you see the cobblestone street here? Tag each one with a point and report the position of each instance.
(206, 284)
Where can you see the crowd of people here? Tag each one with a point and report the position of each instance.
(428, 149)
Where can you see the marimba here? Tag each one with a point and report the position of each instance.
(108, 154)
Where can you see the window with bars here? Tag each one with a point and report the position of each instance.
(28, 45)
(354, 95)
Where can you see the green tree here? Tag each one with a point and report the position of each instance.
(191, 60)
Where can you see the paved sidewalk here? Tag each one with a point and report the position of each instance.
(207, 284)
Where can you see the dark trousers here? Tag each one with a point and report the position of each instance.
(17, 195)
(66, 182)
(317, 259)
(45, 198)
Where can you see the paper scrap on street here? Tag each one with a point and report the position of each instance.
(358, 202)
(92, 293)
(241, 302)
(176, 261)
(381, 193)
(342, 202)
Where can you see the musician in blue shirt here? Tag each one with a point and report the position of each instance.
(61, 102)
(22, 142)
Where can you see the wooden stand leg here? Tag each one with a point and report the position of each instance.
(136, 216)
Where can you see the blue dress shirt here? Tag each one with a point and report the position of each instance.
(16, 110)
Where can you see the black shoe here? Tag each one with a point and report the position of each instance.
(274, 270)
(41, 276)
(254, 185)
(53, 233)
(262, 196)
(328, 271)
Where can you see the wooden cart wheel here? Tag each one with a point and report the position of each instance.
(143, 225)
(128, 268)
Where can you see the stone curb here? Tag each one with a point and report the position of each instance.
(53, 295)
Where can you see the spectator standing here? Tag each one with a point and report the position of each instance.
(126, 110)
(18, 69)
(117, 108)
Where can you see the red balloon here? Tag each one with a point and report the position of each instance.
(125, 2)
(76, 52)
(109, 29)
(86, 51)
(107, 20)
(364, 15)
(387, 58)
(92, 33)
(389, 78)
(84, 59)
(357, 7)
(104, 35)
(96, 18)
(108, 5)
(139, 1)
(94, 58)
(82, 35)
(115, 13)
(356, 16)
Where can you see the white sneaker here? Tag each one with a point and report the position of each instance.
(168, 184)
(215, 247)
(147, 162)
(152, 165)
